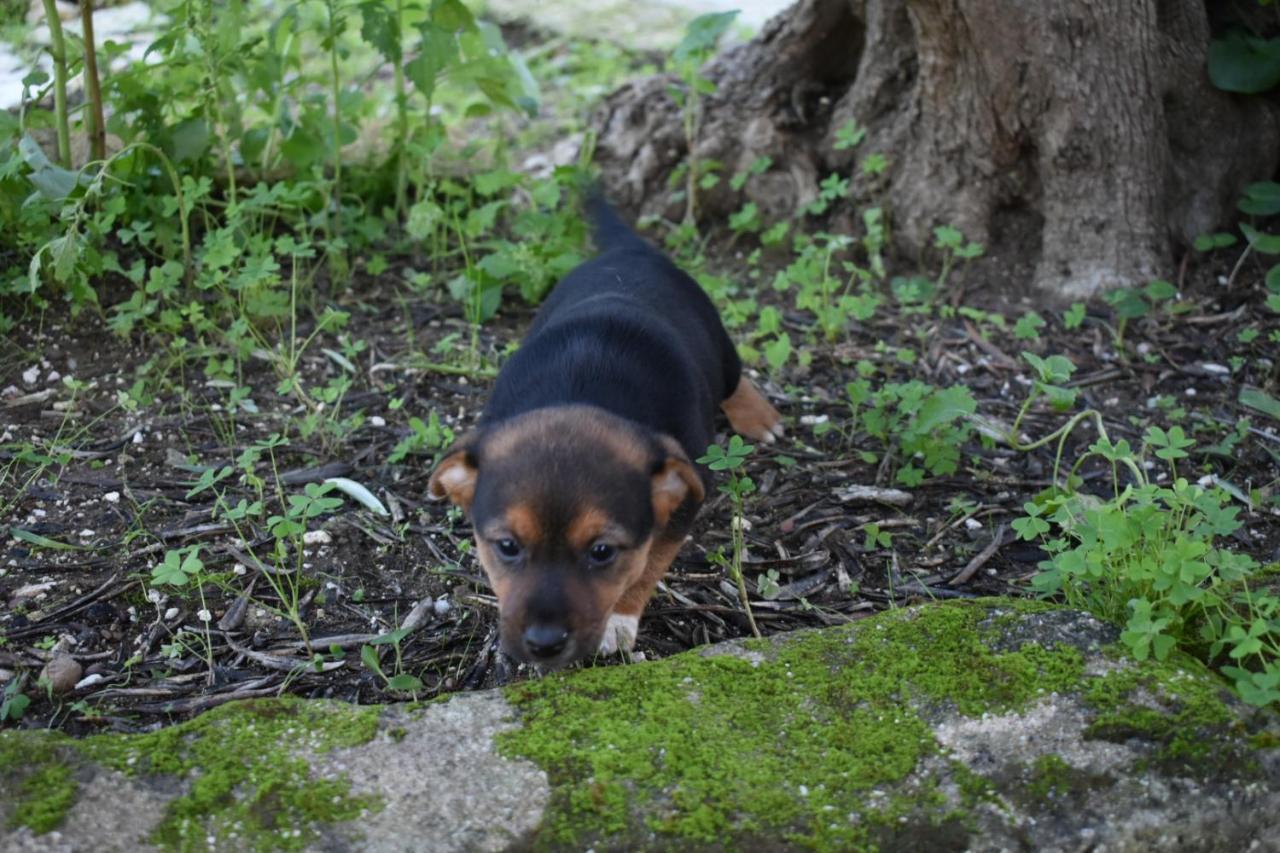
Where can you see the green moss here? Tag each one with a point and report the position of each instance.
(796, 745)
(43, 788)
(1050, 777)
(237, 767)
(1173, 705)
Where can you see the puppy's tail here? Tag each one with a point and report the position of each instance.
(608, 228)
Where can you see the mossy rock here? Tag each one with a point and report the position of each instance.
(950, 726)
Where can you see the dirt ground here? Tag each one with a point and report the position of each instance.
(108, 515)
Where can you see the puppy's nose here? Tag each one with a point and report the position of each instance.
(545, 641)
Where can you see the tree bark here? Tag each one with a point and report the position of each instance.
(1079, 140)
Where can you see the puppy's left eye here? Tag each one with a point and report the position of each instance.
(508, 549)
(602, 554)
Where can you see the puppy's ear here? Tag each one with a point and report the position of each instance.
(455, 476)
(674, 480)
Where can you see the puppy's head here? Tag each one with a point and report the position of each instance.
(565, 502)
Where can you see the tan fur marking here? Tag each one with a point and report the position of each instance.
(524, 525)
(674, 483)
(580, 425)
(661, 555)
(590, 525)
(455, 479)
(750, 414)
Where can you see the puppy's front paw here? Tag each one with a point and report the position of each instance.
(619, 634)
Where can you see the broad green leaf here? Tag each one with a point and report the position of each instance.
(1256, 398)
(1267, 244)
(702, 35)
(41, 541)
(404, 682)
(943, 407)
(1239, 62)
(1261, 199)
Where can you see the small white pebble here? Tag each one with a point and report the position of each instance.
(316, 537)
(89, 680)
(1207, 480)
(112, 497)
(53, 377)
(1210, 367)
(1191, 392)
(204, 615)
(239, 569)
(378, 421)
(813, 420)
(153, 595)
(171, 613)
(137, 437)
(972, 524)
(87, 534)
(31, 374)
(442, 607)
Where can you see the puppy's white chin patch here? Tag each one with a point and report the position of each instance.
(619, 634)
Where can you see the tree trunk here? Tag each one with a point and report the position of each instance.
(1079, 140)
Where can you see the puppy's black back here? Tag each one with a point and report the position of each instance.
(630, 332)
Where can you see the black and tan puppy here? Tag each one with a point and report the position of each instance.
(579, 479)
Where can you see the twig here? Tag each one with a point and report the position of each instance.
(980, 560)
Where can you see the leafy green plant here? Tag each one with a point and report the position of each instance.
(429, 436)
(731, 458)
(919, 427)
(1148, 556)
(399, 681)
(697, 46)
(955, 250)
(13, 702)
(180, 567)
(1132, 303)
(815, 276)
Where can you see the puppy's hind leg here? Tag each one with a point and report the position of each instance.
(751, 415)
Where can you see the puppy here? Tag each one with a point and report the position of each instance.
(579, 479)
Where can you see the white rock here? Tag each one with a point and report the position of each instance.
(316, 537)
(31, 591)
(31, 374)
(112, 497)
(137, 437)
(90, 680)
(171, 613)
(378, 421)
(442, 607)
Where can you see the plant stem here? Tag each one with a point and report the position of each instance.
(58, 51)
(739, 545)
(97, 119)
(333, 210)
(402, 118)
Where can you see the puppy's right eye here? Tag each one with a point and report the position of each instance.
(508, 549)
